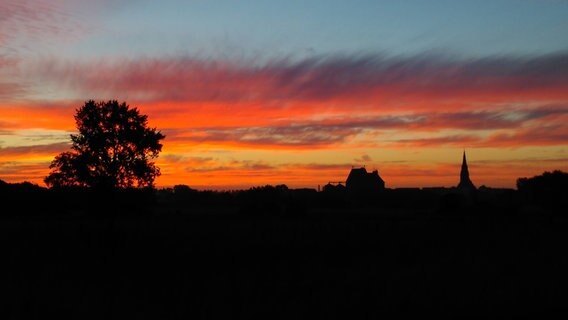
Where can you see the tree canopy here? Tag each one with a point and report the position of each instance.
(549, 189)
(114, 148)
(556, 180)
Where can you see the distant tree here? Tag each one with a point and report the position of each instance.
(556, 180)
(182, 189)
(549, 188)
(113, 149)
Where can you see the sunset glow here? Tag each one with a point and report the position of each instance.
(273, 110)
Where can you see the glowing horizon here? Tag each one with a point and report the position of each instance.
(235, 116)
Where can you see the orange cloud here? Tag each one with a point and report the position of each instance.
(55, 116)
(344, 105)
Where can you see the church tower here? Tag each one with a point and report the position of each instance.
(465, 182)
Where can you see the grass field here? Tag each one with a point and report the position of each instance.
(325, 266)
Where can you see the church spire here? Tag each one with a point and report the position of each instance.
(465, 181)
(464, 174)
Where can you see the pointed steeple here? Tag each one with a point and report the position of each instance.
(465, 182)
(464, 174)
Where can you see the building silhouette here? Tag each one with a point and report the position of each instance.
(465, 182)
(334, 187)
(361, 181)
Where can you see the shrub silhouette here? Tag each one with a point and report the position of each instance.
(113, 149)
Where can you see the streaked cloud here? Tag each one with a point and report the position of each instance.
(343, 130)
(356, 79)
(25, 23)
(348, 105)
(46, 150)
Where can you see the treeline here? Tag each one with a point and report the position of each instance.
(548, 191)
(30, 199)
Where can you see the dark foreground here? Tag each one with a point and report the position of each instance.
(321, 266)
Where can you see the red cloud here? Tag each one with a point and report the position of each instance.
(546, 135)
(344, 103)
(363, 80)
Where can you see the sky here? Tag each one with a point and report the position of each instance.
(255, 92)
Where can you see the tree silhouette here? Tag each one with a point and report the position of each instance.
(113, 149)
(549, 189)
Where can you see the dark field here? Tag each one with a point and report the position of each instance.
(316, 266)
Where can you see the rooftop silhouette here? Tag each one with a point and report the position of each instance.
(361, 181)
